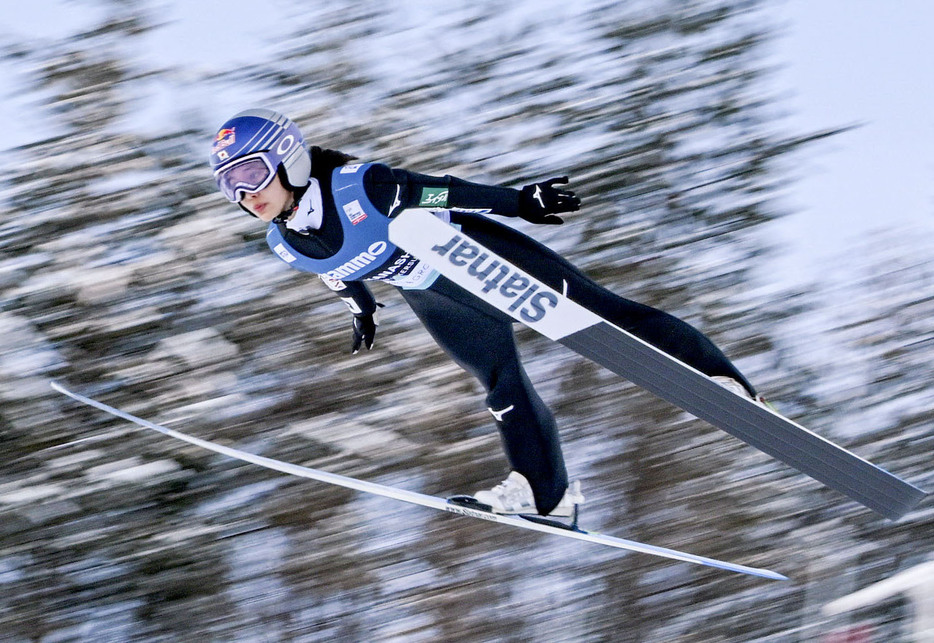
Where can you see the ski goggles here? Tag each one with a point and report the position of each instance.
(246, 175)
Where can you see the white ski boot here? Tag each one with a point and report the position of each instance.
(514, 496)
(734, 385)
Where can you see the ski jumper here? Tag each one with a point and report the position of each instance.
(351, 245)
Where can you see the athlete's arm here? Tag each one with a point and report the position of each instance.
(393, 190)
(358, 298)
(355, 295)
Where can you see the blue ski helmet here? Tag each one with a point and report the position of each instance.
(250, 148)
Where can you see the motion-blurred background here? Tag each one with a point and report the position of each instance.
(126, 276)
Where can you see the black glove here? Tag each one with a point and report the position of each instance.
(539, 202)
(364, 330)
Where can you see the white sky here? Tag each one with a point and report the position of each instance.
(866, 62)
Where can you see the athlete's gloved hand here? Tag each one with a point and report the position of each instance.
(539, 202)
(364, 330)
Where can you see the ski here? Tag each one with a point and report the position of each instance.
(559, 318)
(459, 505)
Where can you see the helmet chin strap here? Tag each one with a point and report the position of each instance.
(297, 194)
(287, 214)
(307, 214)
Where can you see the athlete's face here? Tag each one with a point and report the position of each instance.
(269, 202)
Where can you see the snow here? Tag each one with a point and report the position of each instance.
(132, 470)
(239, 497)
(122, 181)
(29, 494)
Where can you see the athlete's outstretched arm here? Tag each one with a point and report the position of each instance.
(394, 190)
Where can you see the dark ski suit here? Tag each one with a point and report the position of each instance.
(476, 335)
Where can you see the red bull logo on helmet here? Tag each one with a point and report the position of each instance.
(225, 138)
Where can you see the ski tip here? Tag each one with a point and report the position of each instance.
(768, 573)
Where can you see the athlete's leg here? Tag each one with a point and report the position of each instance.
(664, 331)
(480, 339)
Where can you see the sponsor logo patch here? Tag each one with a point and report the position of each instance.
(434, 198)
(333, 284)
(283, 253)
(523, 295)
(358, 263)
(354, 212)
(225, 138)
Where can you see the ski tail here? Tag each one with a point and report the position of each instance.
(754, 424)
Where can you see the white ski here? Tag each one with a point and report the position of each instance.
(432, 502)
(530, 301)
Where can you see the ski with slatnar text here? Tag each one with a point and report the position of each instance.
(458, 505)
(551, 313)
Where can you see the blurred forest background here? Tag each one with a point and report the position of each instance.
(127, 277)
